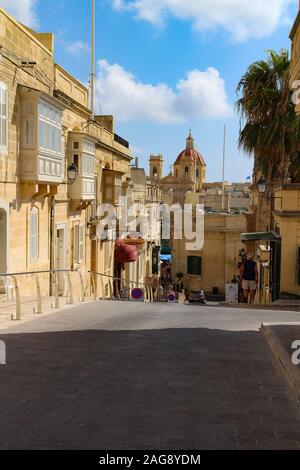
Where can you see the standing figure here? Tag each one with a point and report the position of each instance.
(249, 278)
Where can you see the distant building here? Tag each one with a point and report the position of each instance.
(218, 261)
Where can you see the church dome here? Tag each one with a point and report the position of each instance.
(190, 153)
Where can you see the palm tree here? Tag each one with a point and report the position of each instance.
(271, 129)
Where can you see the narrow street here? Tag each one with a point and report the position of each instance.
(140, 376)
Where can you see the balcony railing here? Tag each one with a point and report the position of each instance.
(121, 141)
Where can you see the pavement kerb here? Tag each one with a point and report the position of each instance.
(283, 359)
(283, 307)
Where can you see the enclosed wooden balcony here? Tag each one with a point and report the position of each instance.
(82, 153)
(42, 152)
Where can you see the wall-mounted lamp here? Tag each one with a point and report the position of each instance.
(72, 173)
(262, 185)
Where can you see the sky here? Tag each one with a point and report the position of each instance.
(165, 66)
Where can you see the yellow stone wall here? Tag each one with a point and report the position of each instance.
(16, 198)
(220, 253)
(295, 57)
(287, 219)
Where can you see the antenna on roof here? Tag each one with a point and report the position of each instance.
(93, 62)
(223, 170)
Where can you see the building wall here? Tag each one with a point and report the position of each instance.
(146, 193)
(220, 253)
(17, 198)
(295, 57)
(287, 220)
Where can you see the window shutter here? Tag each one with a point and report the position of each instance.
(200, 266)
(194, 265)
(84, 164)
(76, 244)
(298, 266)
(63, 152)
(81, 243)
(3, 115)
(34, 234)
(190, 265)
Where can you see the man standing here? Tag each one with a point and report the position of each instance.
(249, 278)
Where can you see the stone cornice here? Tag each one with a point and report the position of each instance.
(295, 27)
(286, 214)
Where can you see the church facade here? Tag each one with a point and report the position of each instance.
(188, 175)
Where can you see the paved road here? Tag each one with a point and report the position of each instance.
(136, 376)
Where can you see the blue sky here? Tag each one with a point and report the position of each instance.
(165, 66)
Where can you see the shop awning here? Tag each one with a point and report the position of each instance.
(260, 236)
(166, 258)
(125, 253)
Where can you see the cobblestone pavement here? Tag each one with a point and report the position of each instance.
(135, 376)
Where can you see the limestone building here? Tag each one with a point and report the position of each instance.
(274, 227)
(57, 165)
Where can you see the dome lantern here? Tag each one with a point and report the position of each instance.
(190, 142)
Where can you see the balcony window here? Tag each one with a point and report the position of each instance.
(49, 128)
(76, 160)
(84, 158)
(88, 164)
(41, 148)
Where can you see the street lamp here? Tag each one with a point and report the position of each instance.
(262, 185)
(72, 173)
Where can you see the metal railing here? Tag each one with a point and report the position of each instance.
(121, 141)
(120, 289)
(54, 273)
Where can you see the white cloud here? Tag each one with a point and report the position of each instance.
(75, 48)
(23, 10)
(200, 94)
(243, 19)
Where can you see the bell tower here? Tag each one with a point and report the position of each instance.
(156, 167)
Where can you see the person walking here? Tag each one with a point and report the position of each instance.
(249, 278)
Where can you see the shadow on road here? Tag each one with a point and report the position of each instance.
(159, 389)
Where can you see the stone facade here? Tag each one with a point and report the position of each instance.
(45, 221)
